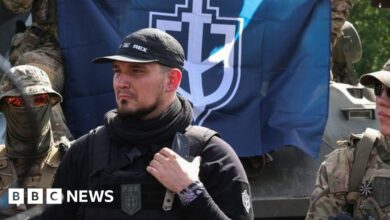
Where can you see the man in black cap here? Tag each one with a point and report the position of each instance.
(354, 180)
(157, 165)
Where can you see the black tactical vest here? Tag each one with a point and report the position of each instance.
(137, 194)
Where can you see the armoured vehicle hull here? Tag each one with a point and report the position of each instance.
(283, 187)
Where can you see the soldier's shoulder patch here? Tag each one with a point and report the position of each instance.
(246, 200)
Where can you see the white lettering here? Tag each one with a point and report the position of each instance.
(140, 48)
(124, 45)
(15, 196)
(54, 196)
(96, 196)
(83, 196)
(71, 196)
(109, 196)
(34, 196)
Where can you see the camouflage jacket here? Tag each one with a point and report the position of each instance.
(40, 175)
(43, 13)
(331, 188)
(340, 11)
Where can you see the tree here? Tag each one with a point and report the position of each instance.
(373, 25)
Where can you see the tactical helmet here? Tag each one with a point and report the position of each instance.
(30, 80)
(348, 47)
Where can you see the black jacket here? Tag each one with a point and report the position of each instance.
(226, 195)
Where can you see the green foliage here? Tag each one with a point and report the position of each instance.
(373, 26)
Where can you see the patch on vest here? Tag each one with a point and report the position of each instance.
(381, 192)
(131, 198)
(246, 200)
(366, 189)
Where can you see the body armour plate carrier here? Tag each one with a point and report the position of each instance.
(137, 194)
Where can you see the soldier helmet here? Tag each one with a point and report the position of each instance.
(348, 46)
(30, 80)
(382, 76)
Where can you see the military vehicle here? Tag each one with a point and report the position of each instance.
(282, 185)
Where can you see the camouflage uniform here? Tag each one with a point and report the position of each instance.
(19, 166)
(38, 46)
(330, 195)
(340, 12)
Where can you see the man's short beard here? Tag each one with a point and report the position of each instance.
(137, 114)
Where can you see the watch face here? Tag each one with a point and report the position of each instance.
(190, 193)
(190, 196)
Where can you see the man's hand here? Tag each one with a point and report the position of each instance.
(174, 172)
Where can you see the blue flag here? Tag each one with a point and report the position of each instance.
(257, 71)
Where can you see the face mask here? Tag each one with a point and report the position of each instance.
(28, 132)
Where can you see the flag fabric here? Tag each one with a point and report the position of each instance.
(256, 71)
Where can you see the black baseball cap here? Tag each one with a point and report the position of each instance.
(148, 45)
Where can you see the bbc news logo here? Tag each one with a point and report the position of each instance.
(35, 196)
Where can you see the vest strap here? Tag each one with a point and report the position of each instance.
(363, 150)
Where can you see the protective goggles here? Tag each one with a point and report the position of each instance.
(37, 100)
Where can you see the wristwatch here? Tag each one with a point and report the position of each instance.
(191, 192)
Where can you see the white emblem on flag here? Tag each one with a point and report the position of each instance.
(205, 57)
